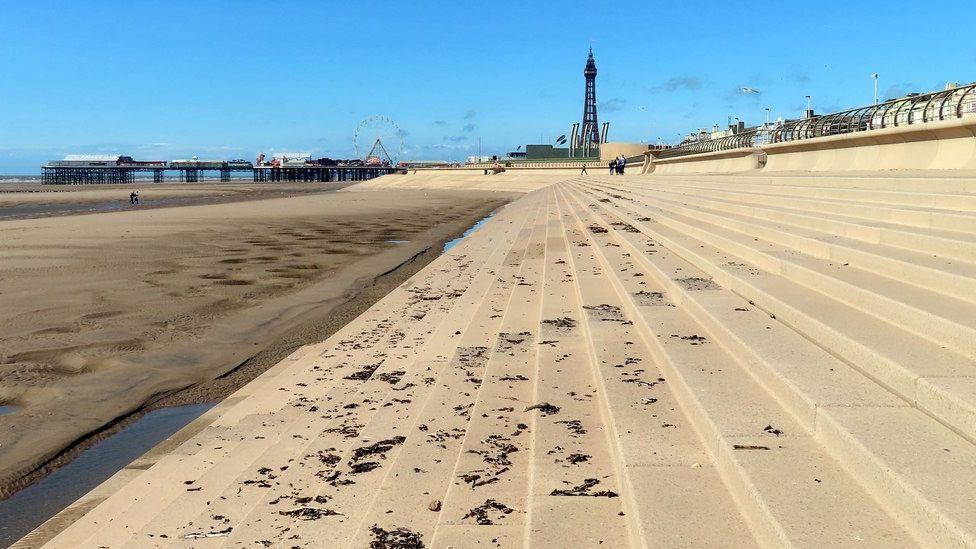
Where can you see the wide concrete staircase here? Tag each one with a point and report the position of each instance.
(636, 361)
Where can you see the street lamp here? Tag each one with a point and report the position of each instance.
(767, 116)
(875, 77)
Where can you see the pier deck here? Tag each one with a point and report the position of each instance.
(619, 361)
(195, 172)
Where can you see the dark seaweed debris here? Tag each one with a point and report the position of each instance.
(545, 408)
(480, 513)
(380, 447)
(584, 490)
(401, 538)
(577, 458)
(309, 513)
(560, 322)
(365, 372)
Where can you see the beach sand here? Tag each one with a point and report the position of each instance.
(19, 200)
(108, 313)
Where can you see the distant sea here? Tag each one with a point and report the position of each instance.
(20, 179)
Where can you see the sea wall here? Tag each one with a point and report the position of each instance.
(613, 149)
(731, 161)
(943, 145)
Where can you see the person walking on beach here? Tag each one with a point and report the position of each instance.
(132, 197)
(621, 164)
(583, 171)
(613, 166)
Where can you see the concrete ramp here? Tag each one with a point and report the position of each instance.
(520, 181)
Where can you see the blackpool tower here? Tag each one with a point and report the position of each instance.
(590, 132)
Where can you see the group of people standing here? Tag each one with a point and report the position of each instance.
(618, 164)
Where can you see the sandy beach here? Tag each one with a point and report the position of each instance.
(107, 313)
(32, 200)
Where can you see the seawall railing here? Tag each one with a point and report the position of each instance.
(948, 104)
(737, 141)
(916, 109)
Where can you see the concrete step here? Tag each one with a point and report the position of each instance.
(935, 379)
(935, 508)
(412, 494)
(952, 277)
(945, 182)
(655, 446)
(574, 443)
(789, 490)
(942, 319)
(930, 199)
(951, 225)
(959, 246)
(948, 223)
(489, 483)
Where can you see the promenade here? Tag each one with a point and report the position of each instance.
(638, 361)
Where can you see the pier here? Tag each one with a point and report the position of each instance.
(98, 169)
(321, 173)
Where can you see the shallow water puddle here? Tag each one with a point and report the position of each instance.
(31, 506)
(451, 243)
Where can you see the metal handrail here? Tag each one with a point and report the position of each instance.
(904, 111)
(736, 141)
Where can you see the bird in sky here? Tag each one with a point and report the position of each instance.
(748, 90)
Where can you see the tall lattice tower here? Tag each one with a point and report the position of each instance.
(590, 130)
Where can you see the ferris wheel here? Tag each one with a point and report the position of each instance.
(378, 140)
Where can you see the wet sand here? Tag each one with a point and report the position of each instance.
(25, 510)
(25, 201)
(107, 315)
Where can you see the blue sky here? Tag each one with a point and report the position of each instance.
(164, 80)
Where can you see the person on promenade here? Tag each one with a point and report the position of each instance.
(613, 166)
(621, 164)
(583, 171)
